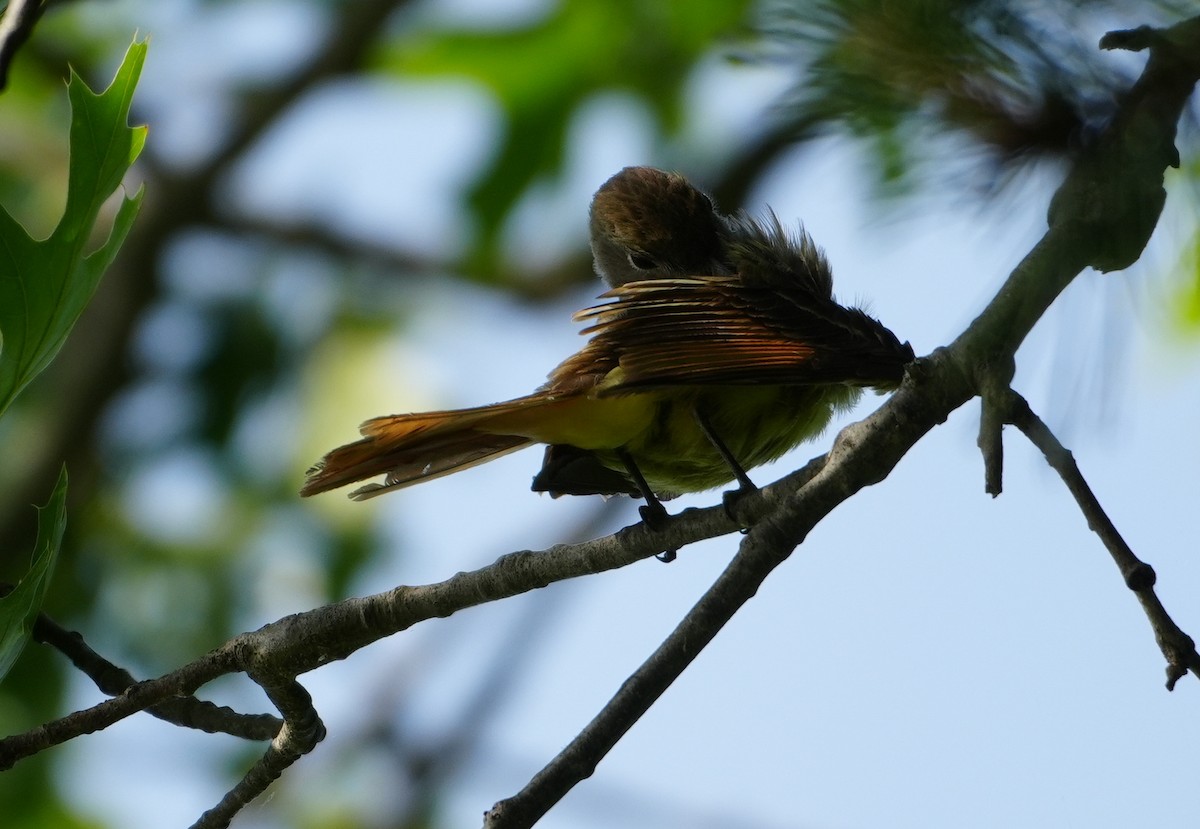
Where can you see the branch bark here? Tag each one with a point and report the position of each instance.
(1177, 647)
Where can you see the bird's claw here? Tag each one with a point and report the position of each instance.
(730, 499)
(655, 517)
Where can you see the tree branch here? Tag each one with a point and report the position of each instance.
(543, 283)
(1178, 648)
(187, 712)
(302, 730)
(305, 641)
(139, 697)
(863, 454)
(1101, 216)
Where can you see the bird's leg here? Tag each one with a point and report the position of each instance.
(652, 512)
(729, 498)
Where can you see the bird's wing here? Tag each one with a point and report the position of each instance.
(724, 330)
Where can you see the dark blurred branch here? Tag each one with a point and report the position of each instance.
(546, 283)
(753, 160)
(323, 239)
(15, 28)
(353, 33)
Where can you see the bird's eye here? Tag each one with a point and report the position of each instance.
(641, 261)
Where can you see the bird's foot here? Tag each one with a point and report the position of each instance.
(655, 516)
(730, 499)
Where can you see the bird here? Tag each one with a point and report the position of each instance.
(718, 347)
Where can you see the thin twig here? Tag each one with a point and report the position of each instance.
(136, 698)
(302, 730)
(526, 282)
(185, 711)
(1178, 648)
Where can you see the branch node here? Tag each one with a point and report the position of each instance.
(1140, 576)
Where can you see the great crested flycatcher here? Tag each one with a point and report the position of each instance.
(719, 347)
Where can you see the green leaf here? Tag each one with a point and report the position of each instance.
(20, 608)
(45, 285)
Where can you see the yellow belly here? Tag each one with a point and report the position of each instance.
(659, 430)
(756, 424)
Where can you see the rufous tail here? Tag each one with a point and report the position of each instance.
(412, 448)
